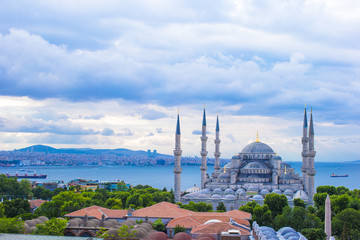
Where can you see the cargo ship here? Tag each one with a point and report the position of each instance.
(24, 174)
(334, 175)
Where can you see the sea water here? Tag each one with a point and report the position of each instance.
(163, 176)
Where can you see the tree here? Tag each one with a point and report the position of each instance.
(331, 190)
(221, 207)
(283, 220)
(16, 207)
(297, 218)
(313, 233)
(46, 194)
(125, 232)
(50, 209)
(319, 199)
(262, 215)
(37, 191)
(114, 203)
(276, 203)
(299, 202)
(158, 225)
(178, 229)
(11, 225)
(55, 227)
(339, 203)
(249, 207)
(2, 210)
(346, 224)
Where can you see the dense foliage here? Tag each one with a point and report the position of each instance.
(345, 206)
(197, 207)
(11, 188)
(55, 227)
(11, 225)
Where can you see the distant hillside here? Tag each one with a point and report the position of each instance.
(119, 151)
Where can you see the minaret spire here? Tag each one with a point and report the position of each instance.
(217, 149)
(203, 152)
(177, 168)
(305, 143)
(311, 159)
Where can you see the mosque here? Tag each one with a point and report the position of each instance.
(255, 171)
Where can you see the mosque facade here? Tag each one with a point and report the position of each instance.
(253, 172)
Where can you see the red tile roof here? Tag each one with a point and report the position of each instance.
(214, 228)
(36, 203)
(162, 210)
(97, 212)
(195, 220)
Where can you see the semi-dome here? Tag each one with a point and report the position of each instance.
(224, 175)
(257, 147)
(301, 194)
(254, 165)
(277, 191)
(229, 191)
(264, 191)
(229, 197)
(288, 192)
(217, 191)
(257, 197)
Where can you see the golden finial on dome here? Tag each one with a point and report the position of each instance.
(257, 137)
(285, 169)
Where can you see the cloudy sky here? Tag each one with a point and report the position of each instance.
(112, 74)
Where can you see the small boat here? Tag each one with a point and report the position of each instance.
(334, 175)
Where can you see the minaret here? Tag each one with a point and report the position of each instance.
(304, 152)
(217, 149)
(177, 168)
(327, 218)
(311, 166)
(203, 152)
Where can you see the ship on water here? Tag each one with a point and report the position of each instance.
(25, 174)
(335, 175)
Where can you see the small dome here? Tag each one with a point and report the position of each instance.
(257, 197)
(229, 197)
(301, 194)
(217, 191)
(253, 188)
(205, 191)
(276, 157)
(285, 230)
(264, 191)
(224, 175)
(257, 147)
(189, 196)
(288, 192)
(216, 196)
(157, 236)
(229, 191)
(277, 191)
(182, 236)
(240, 191)
(202, 196)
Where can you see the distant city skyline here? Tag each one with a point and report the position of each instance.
(110, 74)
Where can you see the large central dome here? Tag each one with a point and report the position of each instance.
(257, 147)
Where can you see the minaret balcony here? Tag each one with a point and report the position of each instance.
(311, 172)
(177, 152)
(217, 141)
(203, 168)
(204, 153)
(204, 138)
(177, 170)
